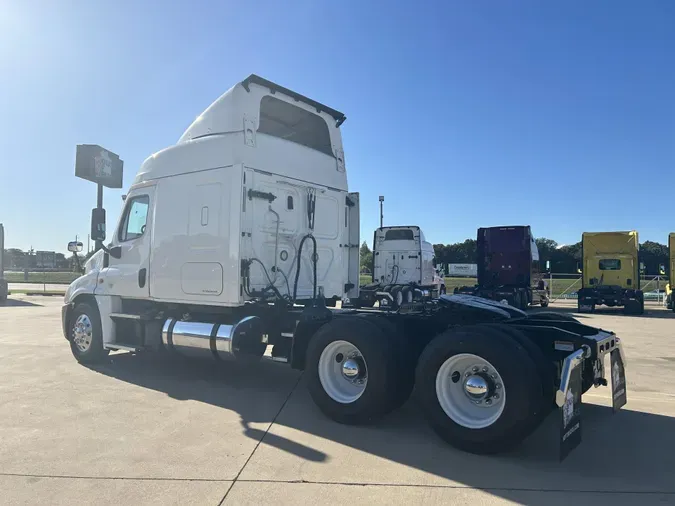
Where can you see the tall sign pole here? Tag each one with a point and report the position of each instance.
(103, 167)
(99, 207)
(381, 211)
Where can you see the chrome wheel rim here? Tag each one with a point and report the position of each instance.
(82, 333)
(470, 391)
(343, 372)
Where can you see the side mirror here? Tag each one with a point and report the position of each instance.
(115, 252)
(579, 267)
(548, 265)
(98, 224)
(662, 269)
(75, 247)
(642, 267)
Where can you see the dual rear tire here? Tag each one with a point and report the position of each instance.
(483, 388)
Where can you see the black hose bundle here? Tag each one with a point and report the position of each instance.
(297, 269)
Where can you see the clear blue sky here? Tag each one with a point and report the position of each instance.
(463, 114)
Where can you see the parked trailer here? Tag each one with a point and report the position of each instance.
(251, 228)
(610, 272)
(508, 268)
(403, 269)
(4, 287)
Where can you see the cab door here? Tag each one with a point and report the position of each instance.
(128, 275)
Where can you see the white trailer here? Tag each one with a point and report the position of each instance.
(231, 242)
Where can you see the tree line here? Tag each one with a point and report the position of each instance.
(19, 260)
(563, 259)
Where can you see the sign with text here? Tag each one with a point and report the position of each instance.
(570, 414)
(96, 164)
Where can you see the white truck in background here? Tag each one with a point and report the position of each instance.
(232, 241)
(4, 286)
(403, 269)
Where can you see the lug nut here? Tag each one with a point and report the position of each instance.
(467, 375)
(493, 376)
(485, 369)
(488, 401)
(474, 369)
(495, 396)
(498, 386)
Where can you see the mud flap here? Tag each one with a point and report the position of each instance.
(570, 414)
(618, 370)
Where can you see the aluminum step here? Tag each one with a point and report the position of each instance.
(122, 347)
(129, 316)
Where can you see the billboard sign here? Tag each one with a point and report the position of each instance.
(96, 164)
(45, 259)
(463, 270)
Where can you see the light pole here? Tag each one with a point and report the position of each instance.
(381, 212)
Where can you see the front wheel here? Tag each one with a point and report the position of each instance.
(86, 335)
(479, 389)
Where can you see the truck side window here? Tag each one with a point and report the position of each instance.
(609, 264)
(135, 218)
(292, 123)
(399, 235)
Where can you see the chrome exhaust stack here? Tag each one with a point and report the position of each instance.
(220, 341)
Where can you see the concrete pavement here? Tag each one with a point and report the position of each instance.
(147, 431)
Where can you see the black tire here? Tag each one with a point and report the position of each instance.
(380, 357)
(553, 316)
(522, 409)
(95, 352)
(442, 291)
(544, 302)
(406, 359)
(634, 307)
(545, 367)
(408, 293)
(396, 292)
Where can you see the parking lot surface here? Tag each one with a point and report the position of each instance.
(139, 430)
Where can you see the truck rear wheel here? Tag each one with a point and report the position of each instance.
(480, 389)
(86, 335)
(351, 369)
(405, 361)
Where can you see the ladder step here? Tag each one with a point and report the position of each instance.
(122, 347)
(129, 316)
(287, 334)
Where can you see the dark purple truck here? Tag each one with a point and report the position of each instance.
(508, 267)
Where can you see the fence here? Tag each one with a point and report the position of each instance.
(39, 281)
(565, 286)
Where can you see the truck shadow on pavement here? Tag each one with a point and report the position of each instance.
(626, 452)
(10, 302)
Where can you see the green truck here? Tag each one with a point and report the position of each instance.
(611, 272)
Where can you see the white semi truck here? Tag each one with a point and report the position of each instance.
(403, 269)
(230, 244)
(4, 286)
